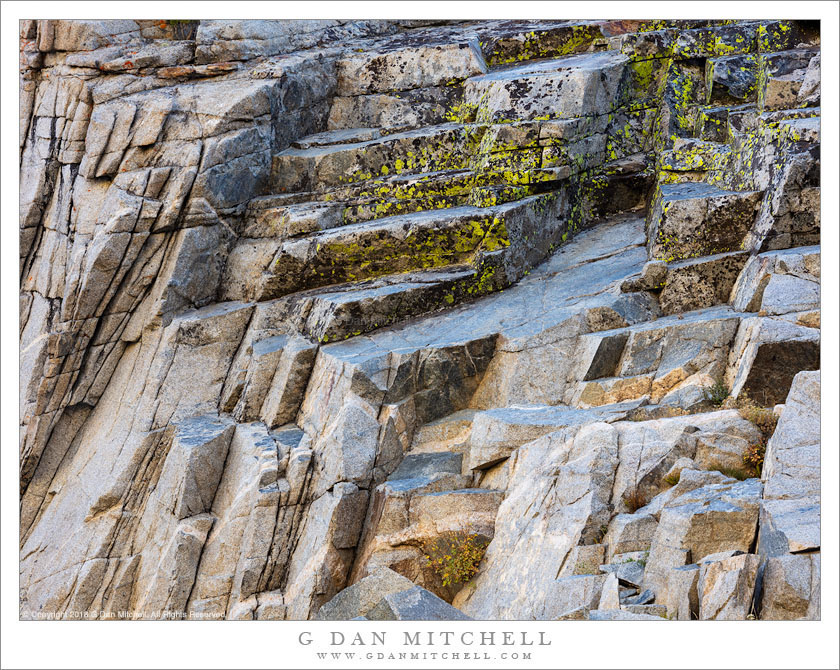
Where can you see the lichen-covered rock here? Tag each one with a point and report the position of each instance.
(408, 66)
(574, 86)
(693, 284)
(700, 219)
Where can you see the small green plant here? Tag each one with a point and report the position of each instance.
(754, 457)
(634, 499)
(631, 560)
(672, 479)
(455, 556)
(602, 532)
(736, 473)
(717, 393)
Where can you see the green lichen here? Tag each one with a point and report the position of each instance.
(543, 44)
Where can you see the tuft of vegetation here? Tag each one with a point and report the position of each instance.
(455, 556)
(736, 473)
(673, 479)
(602, 532)
(764, 418)
(183, 29)
(634, 499)
(754, 457)
(717, 393)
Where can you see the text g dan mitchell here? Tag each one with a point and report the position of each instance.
(427, 638)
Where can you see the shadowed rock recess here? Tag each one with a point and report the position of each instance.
(300, 298)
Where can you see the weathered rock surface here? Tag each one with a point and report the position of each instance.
(725, 587)
(364, 595)
(791, 587)
(299, 299)
(790, 510)
(414, 604)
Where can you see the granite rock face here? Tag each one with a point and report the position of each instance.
(300, 300)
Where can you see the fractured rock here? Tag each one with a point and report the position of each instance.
(790, 509)
(725, 587)
(360, 598)
(698, 219)
(711, 518)
(299, 299)
(496, 433)
(791, 588)
(414, 604)
(630, 532)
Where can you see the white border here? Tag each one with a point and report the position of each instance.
(270, 644)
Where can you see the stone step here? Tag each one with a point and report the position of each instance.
(423, 240)
(695, 283)
(712, 123)
(399, 111)
(781, 76)
(694, 160)
(290, 215)
(406, 186)
(333, 137)
(403, 194)
(409, 61)
(672, 361)
(667, 361)
(496, 433)
(354, 309)
(318, 168)
(283, 216)
(575, 86)
(521, 232)
(696, 219)
(337, 312)
(417, 96)
(518, 41)
(448, 434)
(427, 465)
(276, 218)
(698, 283)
